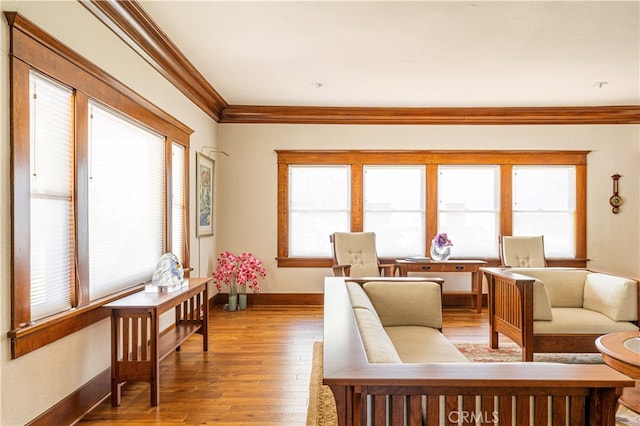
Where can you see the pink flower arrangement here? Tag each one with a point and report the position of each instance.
(242, 270)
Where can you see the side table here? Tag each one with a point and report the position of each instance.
(621, 351)
(137, 346)
(471, 266)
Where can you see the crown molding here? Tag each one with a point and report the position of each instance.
(136, 28)
(457, 116)
(132, 24)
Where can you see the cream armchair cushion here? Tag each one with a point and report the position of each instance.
(612, 296)
(357, 249)
(565, 286)
(523, 251)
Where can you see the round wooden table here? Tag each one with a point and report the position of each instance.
(621, 351)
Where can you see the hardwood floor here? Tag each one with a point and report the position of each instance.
(255, 372)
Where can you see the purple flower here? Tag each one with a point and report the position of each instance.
(441, 240)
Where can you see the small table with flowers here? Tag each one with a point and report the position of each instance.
(405, 266)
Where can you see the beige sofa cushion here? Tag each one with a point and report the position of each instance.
(423, 344)
(406, 303)
(541, 304)
(565, 286)
(616, 297)
(377, 344)
(359, 298)
(580, 321)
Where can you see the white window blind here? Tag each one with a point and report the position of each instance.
(52, 218)
(468, 209)
(177, 200)
(394, 208)
(319, 205)
(544, 203)
(126, 201)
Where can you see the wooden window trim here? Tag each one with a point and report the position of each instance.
(32, 48)
(431, 159)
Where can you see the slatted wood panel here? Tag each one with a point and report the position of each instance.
(425, 408)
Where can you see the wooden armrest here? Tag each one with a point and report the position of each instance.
(341, 270)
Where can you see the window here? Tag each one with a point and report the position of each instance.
(394, 208)
(92, 190)
(468, 203)
(178, 205)
(52, 219)
(319, 205)
(406, 197)
(544, 203)
(126, 197)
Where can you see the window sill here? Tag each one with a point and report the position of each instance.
(50, 329)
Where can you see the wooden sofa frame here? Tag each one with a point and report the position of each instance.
(374, 394)
(510, 297)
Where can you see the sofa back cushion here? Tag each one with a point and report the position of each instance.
(565, 286)
(405, 303)
(359, 298)
(615, 297)
(377, 344)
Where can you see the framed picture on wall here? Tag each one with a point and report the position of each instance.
(204, 195)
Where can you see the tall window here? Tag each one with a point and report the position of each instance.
(319, 199)
(52, 201)
(126, 198)
(544, 203)
(91, 190)
(468, 204)
(394, 208)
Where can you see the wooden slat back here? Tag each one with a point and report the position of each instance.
(419, 406)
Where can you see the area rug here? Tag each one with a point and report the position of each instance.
(321, 410)
(510, 352)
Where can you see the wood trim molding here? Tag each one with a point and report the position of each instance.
(136, 28)
(625, 114)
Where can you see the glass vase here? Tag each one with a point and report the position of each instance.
(242, 297)
(233, 295)
(440, 253)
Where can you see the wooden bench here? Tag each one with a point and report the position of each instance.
(430, 393)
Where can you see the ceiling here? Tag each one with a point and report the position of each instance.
(410, 54)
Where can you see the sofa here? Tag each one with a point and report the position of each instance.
(387, 363)
(559, 309)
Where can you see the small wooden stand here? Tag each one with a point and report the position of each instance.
(137, 346)
(470, 266)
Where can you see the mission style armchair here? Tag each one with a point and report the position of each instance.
(562, 310)
(522, 251)
(354, 254)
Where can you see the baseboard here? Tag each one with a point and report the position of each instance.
(296, 299)
(275, 299)
(73, 407)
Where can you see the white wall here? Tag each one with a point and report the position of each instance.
(248, 183)
(33, 383)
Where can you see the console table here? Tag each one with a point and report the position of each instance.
(471, 266)
(138, 346)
